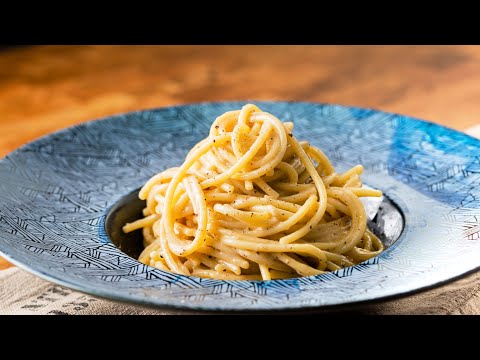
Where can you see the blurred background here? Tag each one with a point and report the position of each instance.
(45, 88)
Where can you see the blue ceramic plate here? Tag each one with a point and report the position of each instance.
(56, 193)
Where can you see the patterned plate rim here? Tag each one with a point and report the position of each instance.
(121, 296)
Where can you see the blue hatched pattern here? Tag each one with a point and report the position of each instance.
(56, 190)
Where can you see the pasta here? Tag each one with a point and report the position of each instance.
(251, 202)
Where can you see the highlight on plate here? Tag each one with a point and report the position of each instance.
(251, 202)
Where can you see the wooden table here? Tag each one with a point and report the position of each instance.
(46, 88)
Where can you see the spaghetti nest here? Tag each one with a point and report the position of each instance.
(251, 202)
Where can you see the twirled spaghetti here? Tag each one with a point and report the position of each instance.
(251, 202)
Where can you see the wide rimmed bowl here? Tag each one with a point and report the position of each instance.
(57, 191)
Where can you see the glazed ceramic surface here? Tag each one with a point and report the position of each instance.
(57, 191)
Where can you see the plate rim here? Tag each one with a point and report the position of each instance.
(153, 302)
(186, 308)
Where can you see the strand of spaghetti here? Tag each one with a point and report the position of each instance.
(322, 160)
(324, 232)
(362, 192)
(288, 170)
(332, 266)
(138, 224)
(337, 204)
(367, 240)
(354, 182)
(331, 210)
(246, 201)
(243, 241)
(266, 188)
(241, 127)
(329, 179)
(275, 274)
(151, 201)
(293, 186)
(338, 259)
(284, 225)
(220, 255)
(272, 146)
(230, 253)
(341, 179)
(228, 119)
(159, 178)
(195, 193)
(322, 200)
(299, 267)
(172, 261)
(223, 275)
(264, 259)
(265, 272)
(276, 153)
(305, 249)
(243, 161)
(145, 254)
(240, 185)
(168, 215)
(300, 196)
(229, 266)
(360, 254)
(250, 218)
(148, 236)
(359, 218)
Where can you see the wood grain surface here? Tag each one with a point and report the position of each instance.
(46, 88)
(43, 89)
